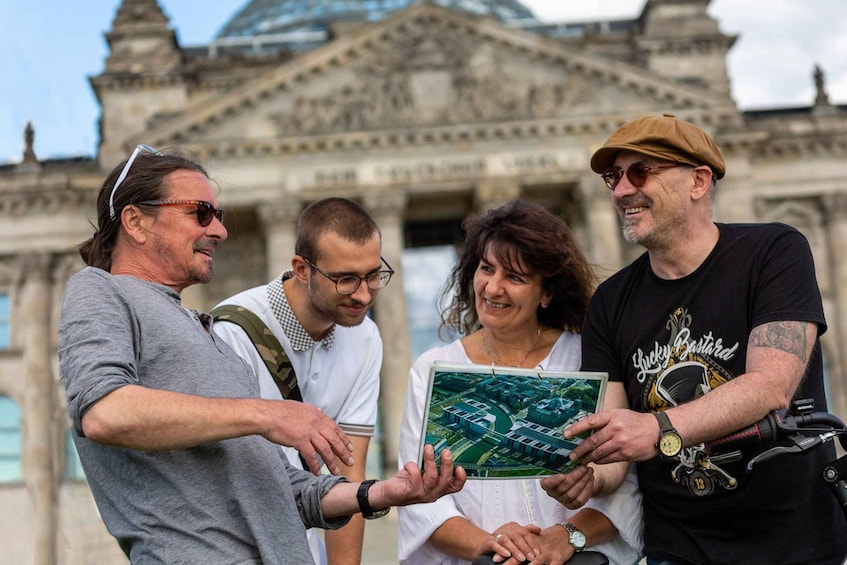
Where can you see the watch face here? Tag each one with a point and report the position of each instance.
(670, 444)
(578, 539)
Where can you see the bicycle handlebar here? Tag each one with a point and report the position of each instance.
(798, 431)
(820, 426)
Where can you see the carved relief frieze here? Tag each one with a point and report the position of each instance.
(429, 75)
(805, 214)
(42, 202)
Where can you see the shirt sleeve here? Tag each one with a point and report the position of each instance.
(308, 490)
(97, 342)
(598, 350)
(358, 413)
(623, 509)
(419, 521)
(786, 288)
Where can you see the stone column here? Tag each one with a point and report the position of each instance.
(835, 207)
(38, 428)
(388, 209)
(492, 193)
(279, 220)
(603, 230)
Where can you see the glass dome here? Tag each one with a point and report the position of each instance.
(270, 17)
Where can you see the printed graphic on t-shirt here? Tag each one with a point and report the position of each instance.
(687, 367)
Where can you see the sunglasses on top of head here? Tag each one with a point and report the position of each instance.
(636, 174)
(205, 211)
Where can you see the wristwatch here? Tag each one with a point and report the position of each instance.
(670, 442)
(576, 537)
(368, 513)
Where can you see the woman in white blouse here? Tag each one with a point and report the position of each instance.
(520, 289)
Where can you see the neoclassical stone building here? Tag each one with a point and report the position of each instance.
(424, 114)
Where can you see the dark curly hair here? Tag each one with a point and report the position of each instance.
(523, 233)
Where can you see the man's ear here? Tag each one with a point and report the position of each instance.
(702, 182)
(131, 220)
(299, 265)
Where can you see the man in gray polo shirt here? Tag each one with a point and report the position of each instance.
(178, 448)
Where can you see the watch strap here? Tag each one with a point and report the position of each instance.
(574, 532)
(364, 504)
(664, 424)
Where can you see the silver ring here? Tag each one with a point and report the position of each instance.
(497, 537)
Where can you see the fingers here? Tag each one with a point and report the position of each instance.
(312, 433)
(572, 490)
(518, 542)
(334, 447)
(590, 422)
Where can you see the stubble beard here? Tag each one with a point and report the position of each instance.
(331, 310)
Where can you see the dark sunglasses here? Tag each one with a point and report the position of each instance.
(205, 210)
(636, 174)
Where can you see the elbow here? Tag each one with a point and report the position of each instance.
(99, 428)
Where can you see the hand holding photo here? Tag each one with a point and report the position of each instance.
(502, 422)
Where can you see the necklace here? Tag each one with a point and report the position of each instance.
(497, 361)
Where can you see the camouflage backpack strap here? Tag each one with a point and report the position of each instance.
(266, 344)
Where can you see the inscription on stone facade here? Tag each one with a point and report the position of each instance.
(530, 163)
(430, 171)
(336, 177)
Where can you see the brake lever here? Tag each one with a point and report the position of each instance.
(800, 444)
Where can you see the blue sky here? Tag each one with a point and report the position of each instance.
(48, 48)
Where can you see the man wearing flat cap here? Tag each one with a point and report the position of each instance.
(715, 326)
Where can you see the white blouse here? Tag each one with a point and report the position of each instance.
(490, 503)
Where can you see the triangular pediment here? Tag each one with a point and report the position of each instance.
(429, 66)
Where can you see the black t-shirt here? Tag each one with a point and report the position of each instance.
(670, 341)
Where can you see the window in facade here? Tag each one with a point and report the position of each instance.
(10, 441)
(427, 260)
(4, 321)
(73, 466)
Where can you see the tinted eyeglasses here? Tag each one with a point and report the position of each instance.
(138, 149)
(348, 284)
(205, 210)
(636, 174)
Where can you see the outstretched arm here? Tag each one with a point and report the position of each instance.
(777, 356)
(138, 417)
(344, 546)
(408, 486)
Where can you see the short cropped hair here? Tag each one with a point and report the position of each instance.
(342, 216)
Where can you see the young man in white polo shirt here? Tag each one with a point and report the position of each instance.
(318, 312)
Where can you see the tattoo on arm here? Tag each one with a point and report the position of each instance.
(785, 336)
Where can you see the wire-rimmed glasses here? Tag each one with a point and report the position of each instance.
(138, 149)
(349, 283)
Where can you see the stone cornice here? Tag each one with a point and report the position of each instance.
(288, 77)
(134, 82)
(23, 204)
(442, 135)
(42, 195)
(685, 45)
(776, 145)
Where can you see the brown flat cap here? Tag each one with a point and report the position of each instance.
(663, 137)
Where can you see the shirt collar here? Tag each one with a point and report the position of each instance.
(297, 335)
